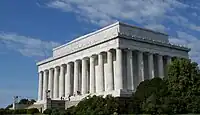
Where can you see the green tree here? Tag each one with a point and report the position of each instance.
(148, 97)
(32, 111)
(184, 77)
(20, 111)
(184, 86)
(47, 111)
(27, 101)
(24, 101)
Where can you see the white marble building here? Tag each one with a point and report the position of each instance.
(112, 60)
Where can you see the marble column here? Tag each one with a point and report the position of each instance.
(160, 66)
(68, 89)
(130, 83)
(166, 65)
(100, 77)
(62, 81)
(92, 74)
(84, 76)
(45, 85)
(40, 86)
(168, 60)
(76, 76)
(50, 87)
(140, 66)
(56, 82)
(119, 74)
(110, 77)
(151, 66)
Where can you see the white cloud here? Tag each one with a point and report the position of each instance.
(60, 5)
(103, 12)
(27, 46)
(98, 11)
(183, 22)
(189, 41)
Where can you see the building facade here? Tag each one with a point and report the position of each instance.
(112, 60)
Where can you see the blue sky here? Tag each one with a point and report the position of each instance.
(29, 29)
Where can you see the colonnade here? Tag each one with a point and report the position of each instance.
(87, 75)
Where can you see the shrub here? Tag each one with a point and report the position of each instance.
(47, 111)
(20, 111)
(32, 111)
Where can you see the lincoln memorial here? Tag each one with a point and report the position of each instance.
(112, 60)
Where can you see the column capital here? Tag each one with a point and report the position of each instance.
(139, 51)
(57, 67)
(85, 58)
(150, 53)
(93, 56)
(123, 48)
(159, 54)
(41, 72)
(70, 63)
(118, 48)
(110, 50)
(77, 60)
(51, 69)
(46, 70)
(102, 52)
(63, 65)
(127, 49)
(168, 56)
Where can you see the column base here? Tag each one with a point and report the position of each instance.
(73, 100)
(114, 93)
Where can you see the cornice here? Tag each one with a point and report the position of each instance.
(156, 42)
